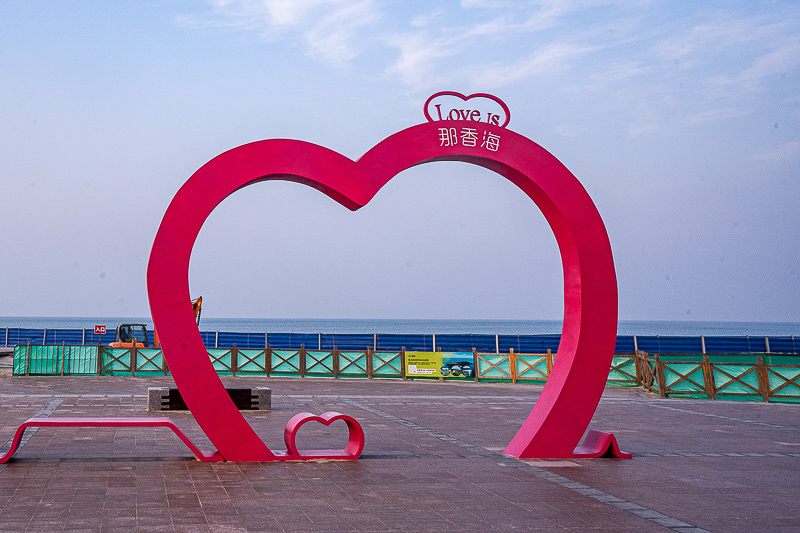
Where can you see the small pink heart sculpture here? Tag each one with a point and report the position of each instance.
(355, 442)
(575, 385)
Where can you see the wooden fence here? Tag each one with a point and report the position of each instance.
(730, 380)
(731, 376)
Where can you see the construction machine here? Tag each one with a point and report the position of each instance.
(128, 335)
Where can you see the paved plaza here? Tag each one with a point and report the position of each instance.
(433, 462)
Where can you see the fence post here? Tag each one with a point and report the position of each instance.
(660, 377)
(336, 361)
(512, 365)
(302, 364)
(235, 358)
(763, 379)
(403, 362)
(475, 364)
(44, 337)
(28, 360)
(708, 378)
(370, 365)
(83, 337)
(703, 343)
(63, 356)
(6, 343)
(497, 344)
(433, 343)
(216, 339)
(133, 357)
(99, 357)
(268, 360)
(549, 361)
(766, 343)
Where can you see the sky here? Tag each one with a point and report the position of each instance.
(681, 120)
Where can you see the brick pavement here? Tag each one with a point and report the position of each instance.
(432, 462)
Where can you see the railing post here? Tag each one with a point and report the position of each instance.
(28, 360)
(512, 365)
(497, 344)
(370, 365)
(302, 364)
(133, 357)
(703, 343)
(216, 339)
(433, 343)
(99, 357)
(763, 379)
(766, 343)
(708, 378)
(403, 362)
(235, 358)
(6, 343)
(63, 355)
(660, 377)
(268, 360)
(475, 364)
(336, 361)
(549, 361)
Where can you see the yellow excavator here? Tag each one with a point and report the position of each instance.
(128, 335)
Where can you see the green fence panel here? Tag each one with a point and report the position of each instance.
(531, 367)
(684, 378)
(736, 381)
(386, 364)
(115, 362)
(353, 364)
(623, 372)
(37, 360)
(319, 363)
(784, 383)
(252, 361)
(222, 360)
(493, 367)
(149, 362)
(285, 362)
(81, 360)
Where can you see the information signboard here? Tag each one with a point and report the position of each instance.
(447, 365)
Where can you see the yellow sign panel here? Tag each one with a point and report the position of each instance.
(448, 365)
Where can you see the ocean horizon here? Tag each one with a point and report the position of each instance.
(422, 326)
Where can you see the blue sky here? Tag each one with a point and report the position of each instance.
(681, 119)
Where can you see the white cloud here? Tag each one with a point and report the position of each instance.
(778, 61)
(784, 152)
(327, 28)
(716, 115)
(567, 130)
(551, 58)
(416, 66)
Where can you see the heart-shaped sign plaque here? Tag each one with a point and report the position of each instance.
(573, 390)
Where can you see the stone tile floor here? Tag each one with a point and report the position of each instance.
(432, 462)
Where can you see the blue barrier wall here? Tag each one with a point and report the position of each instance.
(423, 342)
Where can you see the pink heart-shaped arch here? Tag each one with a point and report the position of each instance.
(575, 385)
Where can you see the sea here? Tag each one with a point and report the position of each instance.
(418, 326)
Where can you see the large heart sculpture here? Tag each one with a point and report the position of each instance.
(575, 385)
